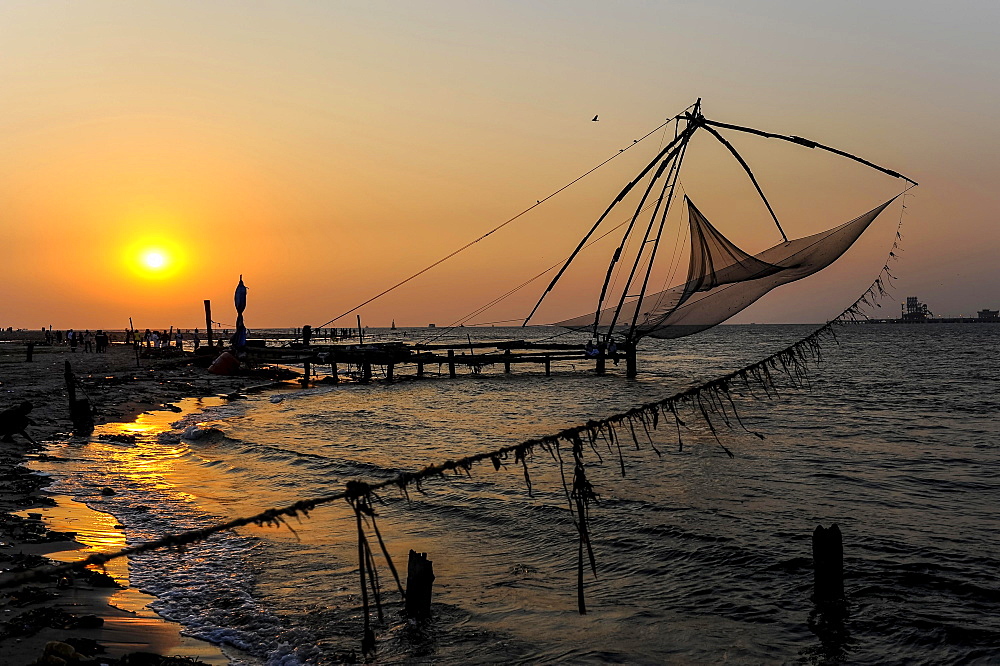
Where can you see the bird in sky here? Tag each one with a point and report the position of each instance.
(594, 119)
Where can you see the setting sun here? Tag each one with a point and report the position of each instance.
(154, 260)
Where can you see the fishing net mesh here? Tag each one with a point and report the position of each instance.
(722, 279)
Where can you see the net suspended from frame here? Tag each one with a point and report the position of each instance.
(722, 279)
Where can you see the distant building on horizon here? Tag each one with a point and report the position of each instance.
(914, 310)
(988, 314)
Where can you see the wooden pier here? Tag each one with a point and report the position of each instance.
(358, 360)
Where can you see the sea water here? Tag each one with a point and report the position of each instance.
(701, 558)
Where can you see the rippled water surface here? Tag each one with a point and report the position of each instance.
(700, 558)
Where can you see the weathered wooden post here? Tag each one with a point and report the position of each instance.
(366, 370)
(30, 352)
(420, 366)
(419, 584)
(79, 410)
(631, 366)
(388, 371)
(333, 368)
(828, 564)
(506, 360)
(208, 322)
(548, 365)
(451, 363)
(306, 370)
(601, 362)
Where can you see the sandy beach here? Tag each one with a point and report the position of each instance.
(96, 614)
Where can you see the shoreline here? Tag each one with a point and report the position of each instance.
(92, 611)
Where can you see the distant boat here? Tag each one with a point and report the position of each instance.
(431, 325)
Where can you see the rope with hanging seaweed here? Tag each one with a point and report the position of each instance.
(712, 401)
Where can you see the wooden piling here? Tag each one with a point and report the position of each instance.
(506, 361)
(388, 372)
(79, 410)
(601, 363)
(548, 365)
(451, 363)
(419, 584)
(30, 352)
(420, 368)
(631, 365)
(333, 368)
(828, 564)
(208, 322)
(306, 370)
(366, 371)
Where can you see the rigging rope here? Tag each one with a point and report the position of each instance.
(499, 226)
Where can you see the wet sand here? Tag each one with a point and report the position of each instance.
(35, 526)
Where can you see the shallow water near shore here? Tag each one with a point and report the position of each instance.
(700, 558)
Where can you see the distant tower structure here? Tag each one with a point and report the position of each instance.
(914, 310)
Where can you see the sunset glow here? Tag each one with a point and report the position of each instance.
(387, 139)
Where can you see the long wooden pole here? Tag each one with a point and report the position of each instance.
(808, 143)
(208, 321)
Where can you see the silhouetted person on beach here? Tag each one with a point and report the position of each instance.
(15, 421)
(88, 342)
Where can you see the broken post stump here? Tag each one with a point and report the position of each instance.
(419, 583)
(828, 564)
(79, 410)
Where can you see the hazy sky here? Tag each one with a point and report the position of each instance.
(326, 150)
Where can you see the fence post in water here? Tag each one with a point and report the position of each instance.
(548, 365)
(208, 322)
(79, 410)
(333, 368)
(451, 363)
(419, 583)
(828, 564)
(506, 361)
(30, 351)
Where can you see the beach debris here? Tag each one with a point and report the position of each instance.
(107, 491)
(275, 399)
(224, 364)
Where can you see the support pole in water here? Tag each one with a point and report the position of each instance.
(306, 370)
(506, 361)
(388, 371)
(420, 367)
(601, 362)
(30, 351)
(208, 322)
(828, 564)
(451, 363)
(631, 366)
(548, 365)
(366, 370)
(419, 584)
(333, 368)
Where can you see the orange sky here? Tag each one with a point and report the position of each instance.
(328, 150)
